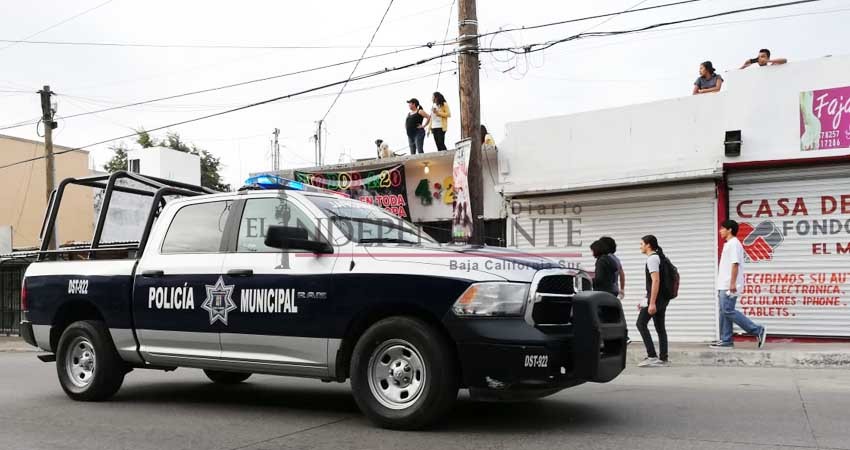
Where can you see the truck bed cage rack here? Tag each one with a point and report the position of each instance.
(161, 188)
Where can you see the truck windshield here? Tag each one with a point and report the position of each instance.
(365, 224)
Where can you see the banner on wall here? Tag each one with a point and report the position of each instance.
(796, 237)
(384, 187)
(822, 122)
(461, 208)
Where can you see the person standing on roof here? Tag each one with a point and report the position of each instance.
(415, 127)
(440, 120)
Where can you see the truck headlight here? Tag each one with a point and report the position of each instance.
(493, 299)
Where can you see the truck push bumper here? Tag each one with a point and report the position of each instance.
(513, 359)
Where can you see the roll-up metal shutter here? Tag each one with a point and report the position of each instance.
(681, 216)
(796, 233)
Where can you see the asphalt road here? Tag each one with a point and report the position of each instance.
(675, 408)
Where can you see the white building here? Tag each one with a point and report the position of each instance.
(662, 168)
(165, 163)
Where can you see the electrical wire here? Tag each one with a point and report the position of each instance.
(241, 108)
(228, 86)
(198, 46)
(445, 36)
(582, 19)
(537, 47)
(357, 64)
(13, 43)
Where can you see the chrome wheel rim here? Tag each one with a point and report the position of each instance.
(397, 374)
(80, 362)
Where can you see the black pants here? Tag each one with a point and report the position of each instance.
(658, 319)
(439, 138)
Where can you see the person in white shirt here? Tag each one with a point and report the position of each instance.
(730, 284)
(654, 306)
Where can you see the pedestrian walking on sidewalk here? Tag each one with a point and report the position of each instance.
(415, 127)
(440, 120)
(654, 306)
(605, 274)
(730, 284)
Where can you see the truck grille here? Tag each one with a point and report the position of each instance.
(553, 303)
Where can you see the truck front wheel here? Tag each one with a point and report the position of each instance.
(403, 374)
(87, 363)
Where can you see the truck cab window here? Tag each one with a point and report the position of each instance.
(197, 228)
(260, 213)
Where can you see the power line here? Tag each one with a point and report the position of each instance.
(357, 64)
(582, 19)
(196, 46)
(251, 105)
(531, 48)
(445, 36)
(228, 86)
(13, 43)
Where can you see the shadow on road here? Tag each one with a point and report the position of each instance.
(247, 395)
(557, 412)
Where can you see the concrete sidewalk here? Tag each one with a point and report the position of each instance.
(747, 354)
(15, 344)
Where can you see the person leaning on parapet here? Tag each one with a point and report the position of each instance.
(763, 59)
(708, 81)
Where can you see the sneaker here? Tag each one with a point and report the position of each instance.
(719, 344)
(628, 341)
(661, 363)
(762, 337)
(648, 362)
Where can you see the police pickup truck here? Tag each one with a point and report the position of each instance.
(299, 282)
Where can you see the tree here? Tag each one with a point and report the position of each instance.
(119, 159)
(210, 164)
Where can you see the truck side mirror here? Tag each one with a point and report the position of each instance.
(294, 238)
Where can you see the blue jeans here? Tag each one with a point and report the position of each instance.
(730, 315)
(417, 142)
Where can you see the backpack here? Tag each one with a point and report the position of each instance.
(669, 279)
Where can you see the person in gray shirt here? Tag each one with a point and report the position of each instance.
(708, 80)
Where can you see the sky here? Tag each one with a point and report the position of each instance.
(582, 75)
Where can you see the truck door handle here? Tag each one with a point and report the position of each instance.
(152, 273)
(240, 272)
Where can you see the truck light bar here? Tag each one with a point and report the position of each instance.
(272, 182)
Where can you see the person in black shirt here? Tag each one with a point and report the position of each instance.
(605, 278)
(415, 127)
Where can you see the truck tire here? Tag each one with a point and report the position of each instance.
(404, 374)
(87, 363)
(221, 377)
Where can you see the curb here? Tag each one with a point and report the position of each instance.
(793, 359)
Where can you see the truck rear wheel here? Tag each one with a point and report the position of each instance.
(221, 377)
(403, 374)
(87, 363)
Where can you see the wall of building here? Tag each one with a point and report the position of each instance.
(168, 163)
(440, 168)
(671, 139)
(23, 198)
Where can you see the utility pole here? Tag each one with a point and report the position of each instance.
(470, 111)
(317, 138)
(276, 151)
(47, 111)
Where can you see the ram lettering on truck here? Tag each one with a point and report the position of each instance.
(330, 288)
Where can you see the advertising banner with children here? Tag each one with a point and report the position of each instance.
(461, 209)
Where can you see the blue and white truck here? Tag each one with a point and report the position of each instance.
(289, 280)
